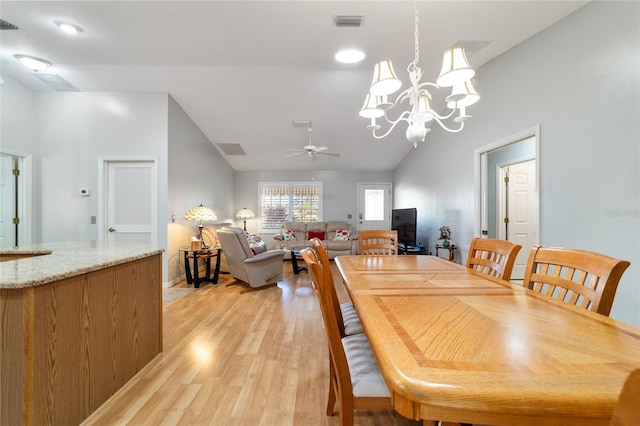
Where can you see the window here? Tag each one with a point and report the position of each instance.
(289, 202)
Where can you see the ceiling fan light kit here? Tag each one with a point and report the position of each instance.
(455, 73)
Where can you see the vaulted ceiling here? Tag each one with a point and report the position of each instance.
(245, 70)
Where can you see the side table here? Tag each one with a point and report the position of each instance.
(207, 254)
(451, 248)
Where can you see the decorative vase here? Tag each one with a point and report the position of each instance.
(445, 244)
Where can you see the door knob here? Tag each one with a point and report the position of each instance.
(111, 230)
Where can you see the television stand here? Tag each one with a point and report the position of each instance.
(405, 249)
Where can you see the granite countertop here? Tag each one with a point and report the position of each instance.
(50, 262)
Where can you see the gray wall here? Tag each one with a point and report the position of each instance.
(198, 174)
(339, 192)
(579, 80)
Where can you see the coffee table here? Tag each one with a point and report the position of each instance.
(295, 256)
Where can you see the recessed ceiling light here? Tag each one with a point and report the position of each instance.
(32, 62)
(68, 27)
(349, 56)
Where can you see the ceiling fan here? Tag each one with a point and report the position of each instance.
(310, 149)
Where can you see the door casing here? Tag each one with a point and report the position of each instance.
(481, 183)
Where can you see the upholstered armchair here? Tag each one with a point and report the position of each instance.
(256, 270)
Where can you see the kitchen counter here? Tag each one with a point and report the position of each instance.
(77, 321)
(38, 264)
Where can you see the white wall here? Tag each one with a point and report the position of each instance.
(66, 133)
(17, 115)
(339, 192)
(198, 174)
(74, 130)
(579, 80)
(17, 136)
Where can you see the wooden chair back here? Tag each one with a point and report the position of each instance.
(330, 289)
(378, 242)
(579, 277)
(627, 410)
(342, 388)
(493, 257)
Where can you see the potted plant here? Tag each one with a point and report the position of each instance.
(445, 235)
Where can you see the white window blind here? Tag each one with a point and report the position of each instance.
(289, 202)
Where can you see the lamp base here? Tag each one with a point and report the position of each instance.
(204, 245)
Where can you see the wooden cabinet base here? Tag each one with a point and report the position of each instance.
(67, 346)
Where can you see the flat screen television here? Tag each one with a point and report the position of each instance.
(404, 221)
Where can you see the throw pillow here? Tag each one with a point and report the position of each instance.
(342, 235)
(288, 235)
(316, 234)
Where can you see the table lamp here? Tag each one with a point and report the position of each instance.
(200, 213)
(245, 214)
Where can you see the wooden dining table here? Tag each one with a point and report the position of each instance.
(458, 346)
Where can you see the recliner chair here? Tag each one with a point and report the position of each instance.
(259, 270)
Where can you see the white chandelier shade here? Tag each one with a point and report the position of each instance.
(385, 81)
(455, 68)
(455, 73)
(370, 108)
(462, 95)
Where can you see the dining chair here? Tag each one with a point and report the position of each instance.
(348, 320)
(492, 257)
(355, 378)
(627, 409)
(379, 242)
(578, 277)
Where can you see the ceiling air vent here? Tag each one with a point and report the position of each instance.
(471, 47)
(4, 25)
(231, 149)
(56, 82)
(348, 21)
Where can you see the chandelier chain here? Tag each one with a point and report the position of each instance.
(417, 38)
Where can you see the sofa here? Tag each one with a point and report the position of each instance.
(299, 234)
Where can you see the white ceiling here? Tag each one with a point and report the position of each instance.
(244, 70)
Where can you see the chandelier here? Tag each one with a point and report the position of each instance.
(455, 73)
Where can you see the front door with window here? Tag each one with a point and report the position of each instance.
(374, 206)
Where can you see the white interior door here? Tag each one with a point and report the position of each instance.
(518, 205)
(374, 206)
(131, 201)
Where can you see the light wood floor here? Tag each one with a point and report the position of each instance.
(234, 358)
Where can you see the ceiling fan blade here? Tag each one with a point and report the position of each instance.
(294, 149)
(334, 154)
(321, 148)
(293, 155)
